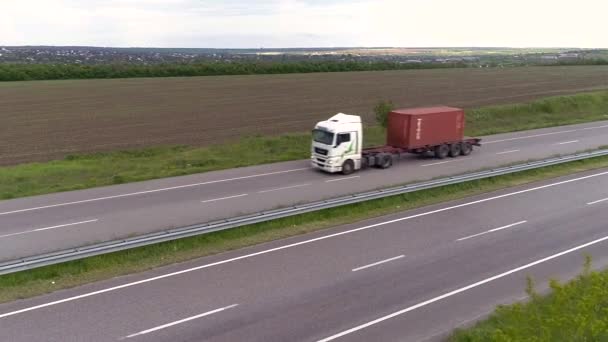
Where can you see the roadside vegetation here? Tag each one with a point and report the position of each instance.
(546, 112)
(99, 169)
(574, 311)
(51, 278)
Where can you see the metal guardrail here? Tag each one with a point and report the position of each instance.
(198, 229)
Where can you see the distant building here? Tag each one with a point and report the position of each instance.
(569, 56)
(549, 59)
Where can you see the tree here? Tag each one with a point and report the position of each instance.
(382, 108)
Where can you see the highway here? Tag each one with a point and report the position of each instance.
(40, 224)
(411, 276)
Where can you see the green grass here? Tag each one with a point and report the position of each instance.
(47, 279)
(99, 169)
(92, 170)
(575, 311)
(551, 111)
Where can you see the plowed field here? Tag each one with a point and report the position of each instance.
(45, 120)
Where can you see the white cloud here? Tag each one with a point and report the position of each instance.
(293, 23)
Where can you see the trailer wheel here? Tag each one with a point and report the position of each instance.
(466, 149)
(348, 167)
(455, 150)
(442, 151)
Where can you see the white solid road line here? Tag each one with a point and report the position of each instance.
(164, 326)
(442, 162)
(223, 198)
(492, 230)
(463, 289)
(150, 191)
(284, 188)
(377, 263)
(247, 256)
(510, 151)
(341, 179)
(567, 142)
(544, 134)
(598, 201)
(434, 335)
(48, 228)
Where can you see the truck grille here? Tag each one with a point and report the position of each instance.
(321, 151)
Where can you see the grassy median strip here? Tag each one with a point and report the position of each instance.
(574, 311)
(47, 279)
(93, 170)
(547, 112)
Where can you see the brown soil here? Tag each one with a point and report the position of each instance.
(45, 120)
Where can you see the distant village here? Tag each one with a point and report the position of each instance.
(100, 55)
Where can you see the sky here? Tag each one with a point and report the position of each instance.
(305, 23)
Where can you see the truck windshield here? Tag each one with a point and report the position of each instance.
(323, 137)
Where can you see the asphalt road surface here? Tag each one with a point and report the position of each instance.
(412, 276)
(36, 225)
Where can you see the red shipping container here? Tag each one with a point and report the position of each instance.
(414, 128)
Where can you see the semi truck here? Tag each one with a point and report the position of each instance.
(337, 143)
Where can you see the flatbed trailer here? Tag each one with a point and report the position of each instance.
(383, 156)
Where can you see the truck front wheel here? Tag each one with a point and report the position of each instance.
(442, 151)
(348, 167)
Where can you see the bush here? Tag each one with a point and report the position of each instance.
(572, 311)
(382, 109)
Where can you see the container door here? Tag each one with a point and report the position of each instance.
(460, 124)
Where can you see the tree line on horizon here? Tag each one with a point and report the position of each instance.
(28, 72)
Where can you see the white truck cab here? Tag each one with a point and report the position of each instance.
(337, 144)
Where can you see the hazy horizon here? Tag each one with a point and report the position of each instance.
(317, 47)
(273, 24)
